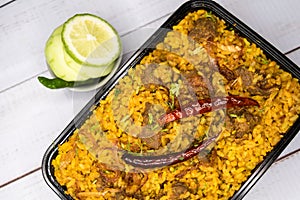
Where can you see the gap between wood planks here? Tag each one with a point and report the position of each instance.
(280, 159)
(5, 4)
(20, 177)
(126, 54)
(291, 51)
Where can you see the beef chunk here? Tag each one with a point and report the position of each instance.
(204, 29)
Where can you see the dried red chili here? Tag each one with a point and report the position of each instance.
(206, 105)
(202, 106)
(147, 162)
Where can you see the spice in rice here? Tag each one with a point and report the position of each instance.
(200, 58)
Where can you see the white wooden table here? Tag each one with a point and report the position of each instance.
(32, 116)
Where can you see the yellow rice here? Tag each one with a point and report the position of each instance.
(89, 163)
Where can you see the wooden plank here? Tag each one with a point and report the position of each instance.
(4, 3)
(277, 21)
(32, 187)
(295, 57)
(18, 145)
(26, 140)
(276, 184)
(44, 115)
(31, 117)
(38, 19)
(26, 25)
(281, 181)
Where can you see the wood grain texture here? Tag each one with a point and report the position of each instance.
(281, 181)
(31, 116)
(5, 2)
(41, 114)
(295, 56)
(26, 26)
(31, 187)
(277, 21)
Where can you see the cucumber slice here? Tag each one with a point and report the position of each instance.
(88, 71)
(54, 52)
(64, 66)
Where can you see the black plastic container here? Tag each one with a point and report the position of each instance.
(179, 14)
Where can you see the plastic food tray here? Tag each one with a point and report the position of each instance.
(190, 6)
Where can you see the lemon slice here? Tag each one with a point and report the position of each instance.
(91, 40)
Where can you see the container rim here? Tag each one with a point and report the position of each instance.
(189, 6)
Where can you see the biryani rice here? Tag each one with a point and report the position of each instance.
(88, 165)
